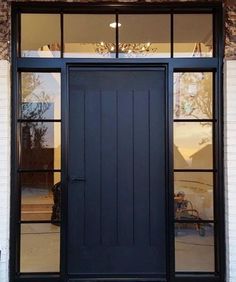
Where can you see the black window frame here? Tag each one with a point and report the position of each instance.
(213, 64)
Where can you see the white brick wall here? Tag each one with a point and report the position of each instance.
(4, 167)
(230, 166)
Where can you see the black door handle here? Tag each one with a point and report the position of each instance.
(76, 179)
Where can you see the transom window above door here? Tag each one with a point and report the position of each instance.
(116, 36)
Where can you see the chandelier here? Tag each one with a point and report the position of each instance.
(104, 48)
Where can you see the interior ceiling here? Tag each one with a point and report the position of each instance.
(39, 30)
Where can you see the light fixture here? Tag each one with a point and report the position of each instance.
(113, 25)
(105, 48)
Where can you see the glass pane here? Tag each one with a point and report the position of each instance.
(40, 35)
(193, 195)
(144, 36)
(194, 247)
(193, 95)
(40, 196)
(193, 145)
(40, 145)
(193, 36)
(40, 95)
(40, 248)
(89, 36)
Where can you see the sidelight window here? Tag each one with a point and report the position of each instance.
(39, 174)
(194, 174)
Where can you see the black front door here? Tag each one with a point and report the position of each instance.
(116, 189)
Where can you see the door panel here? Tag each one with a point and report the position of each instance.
(116, 190)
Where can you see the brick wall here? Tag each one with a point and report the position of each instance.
(230, 29)
(4, 167)
(4, 29)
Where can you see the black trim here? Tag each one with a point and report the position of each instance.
(22, 170)
(173, 65)
(197, 277)
(194, 170)
(64, 166)
(14, 227)
(117, 34)
(101, 7)
(194, 120)
(55, 64)
(194, 221)
(21, 120)
(219, 154)
(40, 277)
(137, 66)
(170, 184)
(172, 35)
(37, 221)
(62, 33)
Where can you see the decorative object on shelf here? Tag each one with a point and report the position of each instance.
(51, 47)
(127, 48)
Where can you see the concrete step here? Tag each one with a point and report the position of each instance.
(36, 211)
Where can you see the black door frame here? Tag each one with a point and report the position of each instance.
(168, 158)
(171, 64)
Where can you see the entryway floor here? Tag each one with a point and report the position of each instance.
(194, 252)
(40, 248)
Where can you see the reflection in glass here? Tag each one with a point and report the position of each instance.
(193, 35)
(193, 145)
(194, 247)
(144, 36)
(40, 35)
(40, 95)
(89, 36)
(39, 196)
(40, 145)
(40, 248)
(193, 195)
(193, 95)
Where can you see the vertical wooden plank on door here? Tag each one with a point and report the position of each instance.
(92, 152)
(77, 169)
(109, 165)
(141, 167)
(125, 168)
(157, 163)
